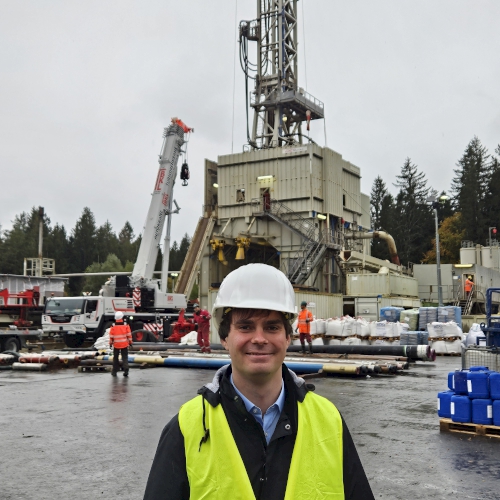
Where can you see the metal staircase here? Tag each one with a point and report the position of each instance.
(314, 243)
(467, 303)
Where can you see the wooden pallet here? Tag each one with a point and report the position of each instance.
(95, 368)
(447, 425)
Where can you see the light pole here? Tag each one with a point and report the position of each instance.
(435, 201)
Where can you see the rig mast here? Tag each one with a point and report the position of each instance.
(280, 105)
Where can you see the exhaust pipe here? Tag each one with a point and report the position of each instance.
(391, 244)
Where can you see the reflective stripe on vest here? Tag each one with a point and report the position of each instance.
(119, 336)
(216, 470)
(304, 327)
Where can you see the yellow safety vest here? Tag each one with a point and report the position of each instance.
(216, 470)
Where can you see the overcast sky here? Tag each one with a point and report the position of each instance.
(86, 88)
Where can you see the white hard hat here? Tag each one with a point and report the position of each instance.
(118, 315)
(255, 286)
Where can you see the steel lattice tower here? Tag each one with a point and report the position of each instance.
(280, 105)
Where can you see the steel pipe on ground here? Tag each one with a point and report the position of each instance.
(342, 369)
(31, 367)
(412, 352)
(39, 358)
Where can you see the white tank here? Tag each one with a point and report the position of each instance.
(490, 257)
(468, 256)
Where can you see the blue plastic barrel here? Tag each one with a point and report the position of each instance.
(495, 385)
(482, 411)
(478, 385)
(461, 409)
(478, 369)
(496, 412)
(460, 380)
(444, 403)
(451, 381)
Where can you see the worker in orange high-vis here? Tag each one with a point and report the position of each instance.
(304, 327)
(120, 337)
(468, 286)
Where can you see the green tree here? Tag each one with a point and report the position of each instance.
(128, 245)
(57, 248)
(414, 224)
(106, 242)
(382, 215)
(492, 197)
(82, 249)
(470, 187)
(451, 234)
(22, 241)
(112, 265)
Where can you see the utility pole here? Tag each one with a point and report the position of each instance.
(280, 106)
(435, 201)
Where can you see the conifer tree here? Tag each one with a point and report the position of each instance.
(492, 198)
(413, 220)
(470, 186)
(382, 214)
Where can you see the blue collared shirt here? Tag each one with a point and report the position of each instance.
(272, 415)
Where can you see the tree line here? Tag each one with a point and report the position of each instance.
(472, 208)
(86, 248)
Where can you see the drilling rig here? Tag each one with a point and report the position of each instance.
(280, 105)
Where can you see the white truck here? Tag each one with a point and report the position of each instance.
(146, 304)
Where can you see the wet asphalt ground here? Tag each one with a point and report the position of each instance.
(75, 435)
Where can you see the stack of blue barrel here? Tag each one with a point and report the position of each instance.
(473, 396)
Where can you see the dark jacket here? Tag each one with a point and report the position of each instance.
(267, 465)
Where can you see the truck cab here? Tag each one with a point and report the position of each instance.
(73, 318)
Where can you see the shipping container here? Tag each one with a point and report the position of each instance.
(364, 285)
(369, 307)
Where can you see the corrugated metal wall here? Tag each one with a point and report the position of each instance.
(308, 179)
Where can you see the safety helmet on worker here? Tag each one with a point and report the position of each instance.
(470, 277)
(118, 316)
(303, 303)
(255, 286)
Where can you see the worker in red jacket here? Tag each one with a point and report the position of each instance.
(304, 326)
(202, 318)
(120, 337)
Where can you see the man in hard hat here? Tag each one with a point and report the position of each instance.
(304, 327)
(202, 319)
(256, 431)
(120, 338)
(468, 286)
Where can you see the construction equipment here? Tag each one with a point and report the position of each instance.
(145, 301)
(280, 106)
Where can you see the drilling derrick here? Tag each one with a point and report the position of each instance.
(280, 105)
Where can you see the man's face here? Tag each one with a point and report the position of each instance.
(257, 345)
(196, 309)
(302, 306)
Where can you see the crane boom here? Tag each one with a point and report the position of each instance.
(161, 200)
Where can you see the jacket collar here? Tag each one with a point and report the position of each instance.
(211, 391)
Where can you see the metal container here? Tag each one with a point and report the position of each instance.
(491, 257)
(468, 255)
(369, 307)
(381, 284)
